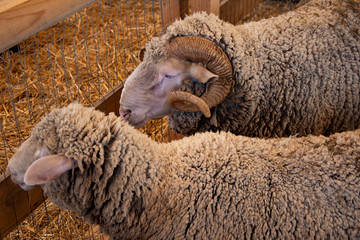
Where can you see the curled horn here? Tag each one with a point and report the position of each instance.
(184, 100)
(201, 50)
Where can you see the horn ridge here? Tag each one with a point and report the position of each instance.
(201, 50)
(188, 102)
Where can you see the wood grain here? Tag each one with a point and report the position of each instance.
(234, 10)
(209, 6)
(21, 19)
(16, 204)
(7, 4)
(170, 11)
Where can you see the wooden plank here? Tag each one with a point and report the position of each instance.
(29, 17)
(199, 6)
(170, 11)
(7, 4)
(226, 12)
(234, 10)
(256, 3)
(209, 6)
(111, 101)
(184, 8)
(215, 7)
(16, 204)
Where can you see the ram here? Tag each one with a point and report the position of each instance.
(207, 186)
(295, 74)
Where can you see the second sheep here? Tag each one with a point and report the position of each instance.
(295, 74)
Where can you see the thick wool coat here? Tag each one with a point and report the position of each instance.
(207, 186)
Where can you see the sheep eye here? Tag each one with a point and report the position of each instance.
(169, 76)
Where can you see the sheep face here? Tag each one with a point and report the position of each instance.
(146, 92)
(28, 153)
(150, 91)
(32, 164)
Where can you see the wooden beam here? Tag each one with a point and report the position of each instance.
(111, 101)
(7, 4)
(21, 19)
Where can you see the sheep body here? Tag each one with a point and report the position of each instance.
(207, 186)
(297, 73)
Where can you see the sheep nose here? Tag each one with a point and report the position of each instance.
(125, 113)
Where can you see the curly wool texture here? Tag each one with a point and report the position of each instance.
(208, 186)
(298, 73)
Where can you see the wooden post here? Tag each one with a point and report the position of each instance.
(229, 10)
(172, 10)
(209, 6)
(184, 8)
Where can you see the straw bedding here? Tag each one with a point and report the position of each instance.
(79, 59)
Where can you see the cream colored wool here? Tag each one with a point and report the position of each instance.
(207, 186)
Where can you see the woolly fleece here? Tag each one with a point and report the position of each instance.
(208, 186)
(298, 73)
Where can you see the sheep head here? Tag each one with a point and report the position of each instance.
(33, 164)
(151, 90)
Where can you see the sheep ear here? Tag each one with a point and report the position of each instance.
(47, 168)
(201, 74)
